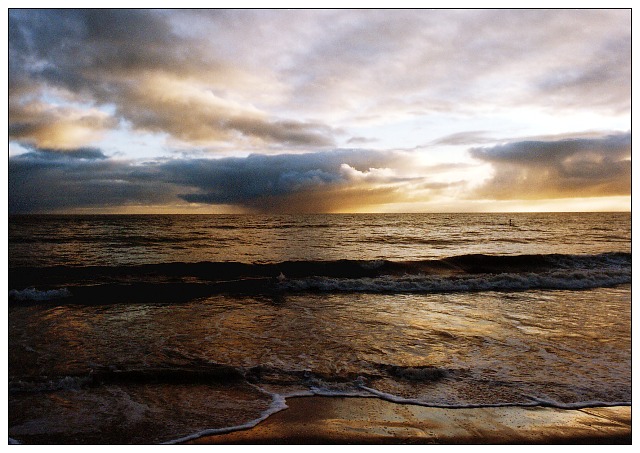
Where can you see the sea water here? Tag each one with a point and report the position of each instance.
(153, 329)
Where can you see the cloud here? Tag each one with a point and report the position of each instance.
(294, 78)
(195, 114)
(414, 63)
(603, 80)
(156, 79)
(313, 182)
(65, 154)
(53, 180)
(361, 140)
(463, 138)
(557, 169)
(273, 82)
(88, 49)
(43, 125)
(50, 180)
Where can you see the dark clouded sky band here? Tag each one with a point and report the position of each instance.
(50, 180)
(556, 169)
(254, 109)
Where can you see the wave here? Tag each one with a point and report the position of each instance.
(195, 374)
(202, 372)
(278, 403)
(573, 280)
(534, 402)
(301, 382)
(175, 282)
(119, 241)
(32, 294)
(280, 384)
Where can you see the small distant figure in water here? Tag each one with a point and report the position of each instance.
(511, 222)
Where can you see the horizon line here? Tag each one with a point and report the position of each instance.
(304, 213)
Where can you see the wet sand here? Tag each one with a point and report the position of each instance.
(340, 420)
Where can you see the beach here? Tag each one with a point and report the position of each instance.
(340, 420)
(269, 329)
(319, 226)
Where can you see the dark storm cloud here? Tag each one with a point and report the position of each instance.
(47, 180)
(305, 182)
(561, 168)
(74, 48)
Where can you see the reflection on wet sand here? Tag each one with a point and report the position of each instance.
(374, 421)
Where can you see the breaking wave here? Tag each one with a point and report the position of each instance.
(32, 294)
(577, 279)
(175, 282)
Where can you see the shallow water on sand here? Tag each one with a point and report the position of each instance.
(218, 361)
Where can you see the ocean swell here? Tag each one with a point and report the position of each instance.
(176, 282)
(572, 279)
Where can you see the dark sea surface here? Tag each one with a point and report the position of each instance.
(154, 329)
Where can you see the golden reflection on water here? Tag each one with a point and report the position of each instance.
(333, 331)
(142, 239)
(491, 348)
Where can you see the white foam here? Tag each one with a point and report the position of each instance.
(64, 383)
(577, 405)
(35, 294)
(317, 391)
(565, 279)
(278, 403)
(535, 402)
(372, 264)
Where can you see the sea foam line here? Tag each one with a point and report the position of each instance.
(536, 402)
(278, 403)
(36, 294)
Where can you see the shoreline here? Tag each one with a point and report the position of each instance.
(363, 420)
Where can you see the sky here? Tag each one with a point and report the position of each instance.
(304, 111)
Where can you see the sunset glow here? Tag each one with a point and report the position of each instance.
(277, 111)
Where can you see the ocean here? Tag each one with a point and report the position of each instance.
(162, 328)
